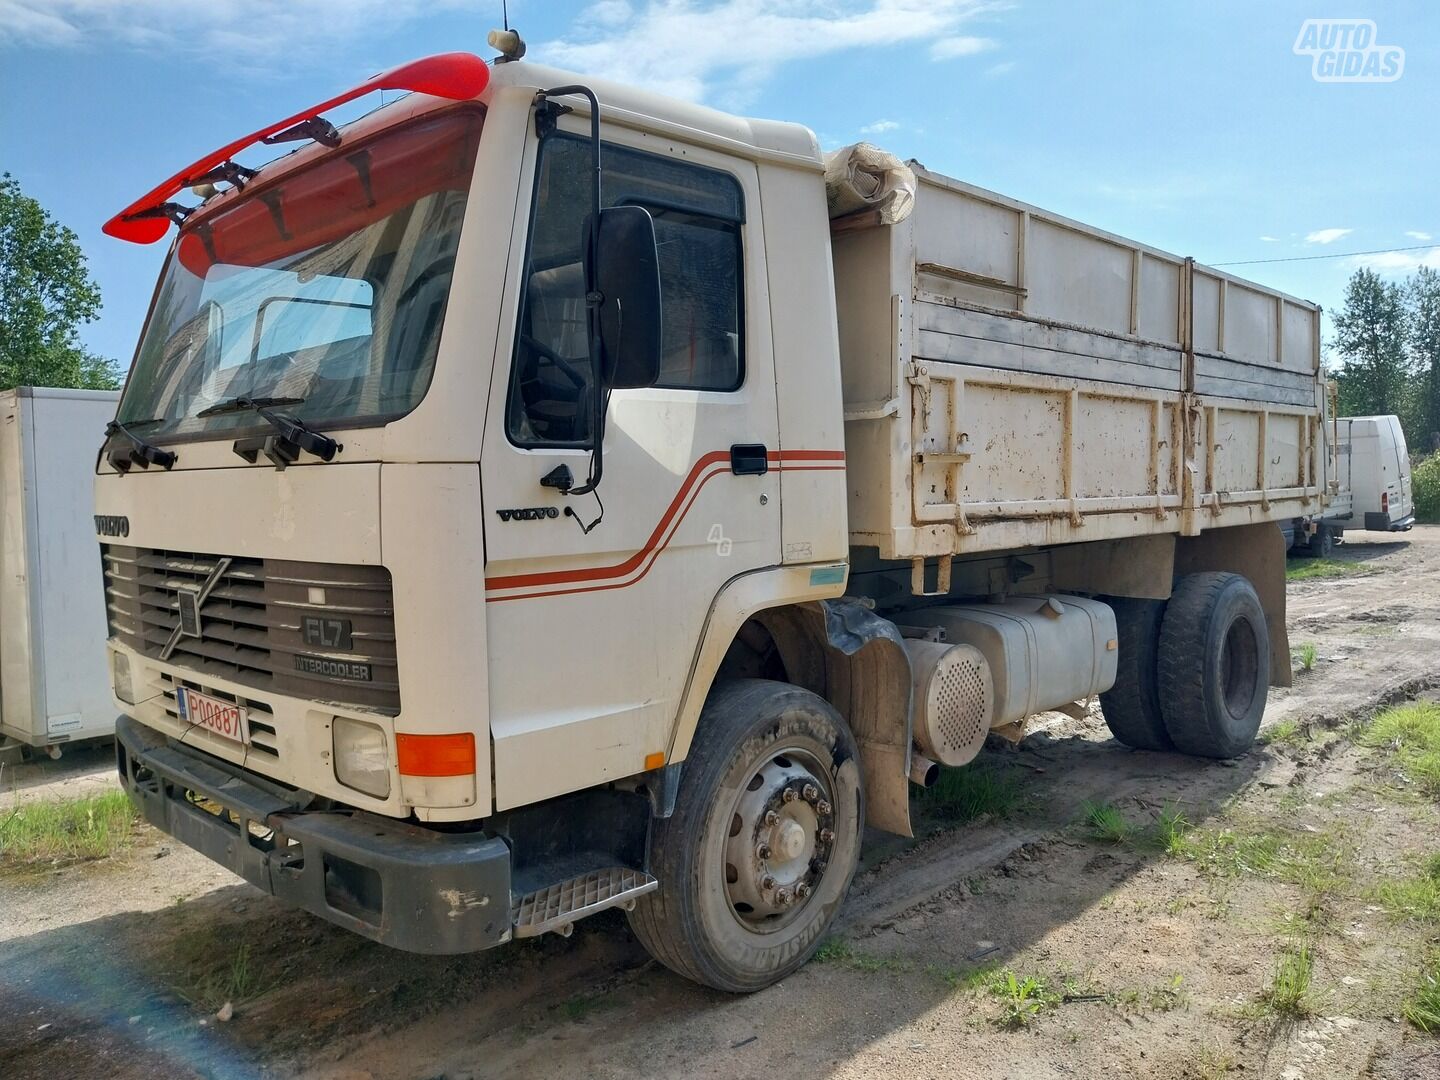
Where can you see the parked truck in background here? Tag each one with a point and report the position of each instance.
(535, 501)
(1369, 486)
(54, 679)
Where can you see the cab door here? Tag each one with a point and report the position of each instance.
(596, 603)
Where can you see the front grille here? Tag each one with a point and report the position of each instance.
(251, 621)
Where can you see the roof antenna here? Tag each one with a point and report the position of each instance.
(509, 44)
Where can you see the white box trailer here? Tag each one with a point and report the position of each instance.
(54, 687)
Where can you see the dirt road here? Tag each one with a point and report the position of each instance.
(1140, 959)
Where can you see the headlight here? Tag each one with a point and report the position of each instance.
(362, 760)
(120, 670)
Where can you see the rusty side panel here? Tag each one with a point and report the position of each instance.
(1017, 379)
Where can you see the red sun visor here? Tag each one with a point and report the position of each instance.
(339, 194)
(457, 76)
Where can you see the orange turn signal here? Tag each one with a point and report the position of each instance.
(436, 755)
(655, 760)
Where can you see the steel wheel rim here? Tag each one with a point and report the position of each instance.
(781, 837)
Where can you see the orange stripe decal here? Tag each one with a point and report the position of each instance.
(700, 473)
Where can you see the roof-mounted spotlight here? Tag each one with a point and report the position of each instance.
(508, 43)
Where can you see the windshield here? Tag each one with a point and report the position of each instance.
(329, 286)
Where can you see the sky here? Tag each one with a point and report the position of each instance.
(1191, 126)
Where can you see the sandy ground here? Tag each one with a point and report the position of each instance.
(114, 970)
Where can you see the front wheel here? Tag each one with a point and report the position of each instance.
(758, 856)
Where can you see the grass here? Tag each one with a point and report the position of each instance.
(580, 1006)
(1021, 999)
(236, 981)
(974, 791)
(1415, 899)
(1422, 1008)
(1316, 569)
(1289, 991)
(838, 951)
(1411, 732)
(1425, 485)
(1286, 733)
(1171, 828)
(68, 830)
(1213, 1063)
(1307, 656)
(1106, 823)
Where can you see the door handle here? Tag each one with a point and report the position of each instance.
(749, 459)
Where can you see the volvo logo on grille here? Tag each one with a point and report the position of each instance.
(112, 525)
(189, 600)
(189, 603)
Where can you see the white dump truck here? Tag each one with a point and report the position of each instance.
(540, 496)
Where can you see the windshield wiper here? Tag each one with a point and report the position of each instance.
(242, 404)
(292, 431)
(139, 452)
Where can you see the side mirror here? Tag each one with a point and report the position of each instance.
(627, 277)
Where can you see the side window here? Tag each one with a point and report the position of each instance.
(698, 214)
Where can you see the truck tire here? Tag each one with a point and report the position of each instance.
(1132, 706)
(1321, 542)
(758, 856)
(1214, 665)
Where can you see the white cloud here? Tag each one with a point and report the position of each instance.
(1270, 239)
(994, 71)
(1416, 234)
(951, 48)
(241, 31)
(1326, 236)
(879, 127)
(727, 49)
(1399, 262)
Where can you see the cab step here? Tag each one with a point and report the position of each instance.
(558, 907)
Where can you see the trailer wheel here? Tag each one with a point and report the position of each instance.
(759, 853)
(1132, 706)
(1322, 542)
(1214, 665)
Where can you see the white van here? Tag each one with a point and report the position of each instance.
(1375, 466)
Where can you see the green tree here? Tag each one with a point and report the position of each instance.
(1371, 338)
(45, 295)
(1424, 295)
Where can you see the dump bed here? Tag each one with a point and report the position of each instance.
(1014, 378)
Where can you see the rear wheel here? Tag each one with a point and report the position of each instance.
(759, 853)
(1322, 542)
(1214, 665)
(1132, 706)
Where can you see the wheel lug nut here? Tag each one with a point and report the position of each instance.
(802, 890)
(782, 897)
(771, 818)
(827, 835)
(822, 807)
(788, 795)
(763, 851)
(817, 865)
(767, 882)
(810, 793)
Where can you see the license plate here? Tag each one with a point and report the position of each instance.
(223, 718)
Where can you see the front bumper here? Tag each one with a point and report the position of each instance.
(407, 887)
